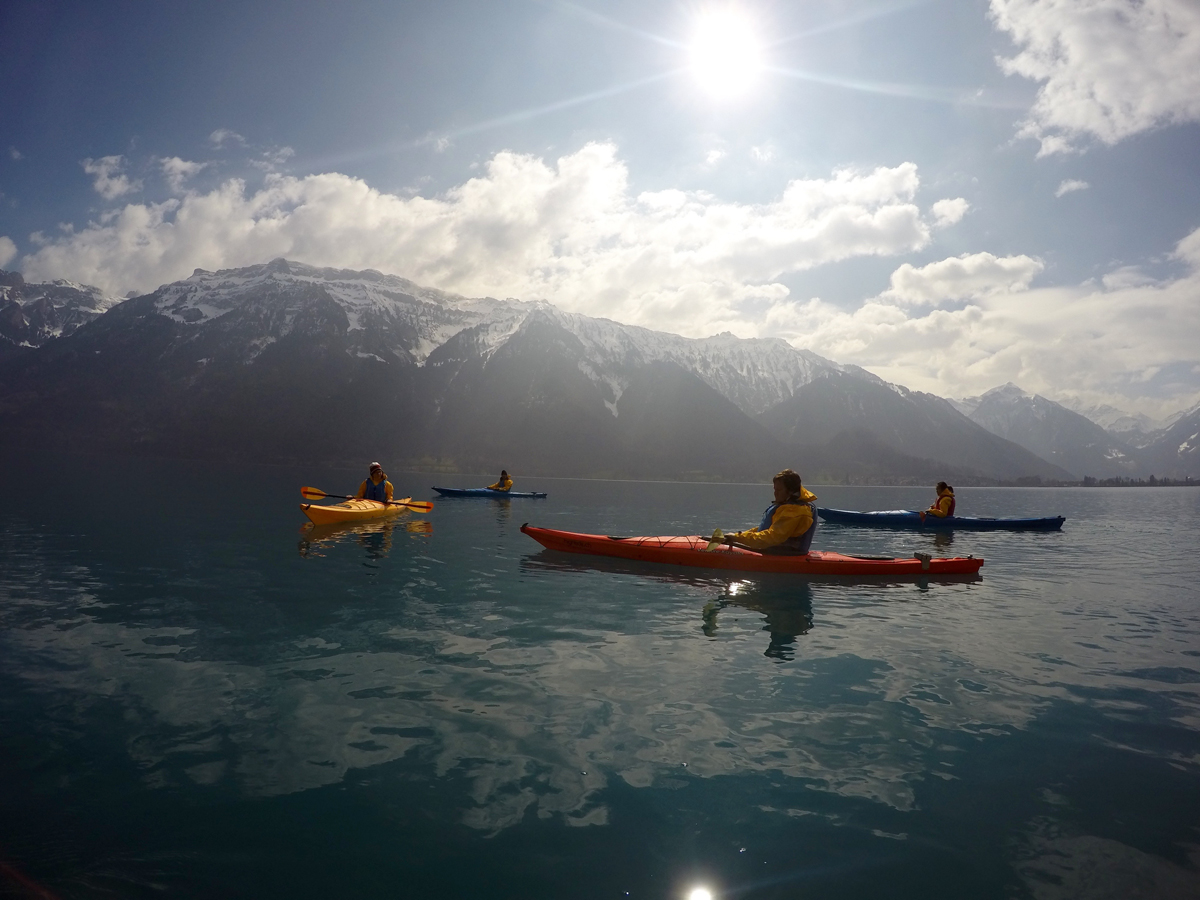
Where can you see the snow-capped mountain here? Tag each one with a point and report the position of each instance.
(1133, 428)
(411, 321)
(1175, 451)
(284, 360)
(31, 314)
(1054, 433)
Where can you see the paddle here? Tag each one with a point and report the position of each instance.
(718, 537)
(312, 493)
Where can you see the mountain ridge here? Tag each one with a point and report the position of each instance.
(288, 361)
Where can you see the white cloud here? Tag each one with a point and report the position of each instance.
(1188, 250)
(1125, 277)
(271, 160)
(1109, 68)
(8, 250)
(1071, 185)
(110, 182)
(177, 171)
(1098, 341)
(16, 154)
(682, 261)
(714, 156)
(969, 276)
(570, 232)
(223, 136)
(949, 212)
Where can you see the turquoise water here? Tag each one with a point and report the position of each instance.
(199, 698)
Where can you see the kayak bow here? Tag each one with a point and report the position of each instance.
(689, 550)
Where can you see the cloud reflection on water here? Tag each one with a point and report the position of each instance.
(867, 705)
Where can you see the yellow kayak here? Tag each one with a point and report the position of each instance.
(352, 510)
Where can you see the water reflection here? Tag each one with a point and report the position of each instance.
(943, 539)
(787, 612)
(375, 537)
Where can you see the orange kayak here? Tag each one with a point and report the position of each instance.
(680, 550)
(351, 510)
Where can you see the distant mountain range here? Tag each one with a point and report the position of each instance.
(1079, 444)
(284, 361)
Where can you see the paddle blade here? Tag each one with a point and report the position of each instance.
(418, 505)
(715, 541)
(312, 493)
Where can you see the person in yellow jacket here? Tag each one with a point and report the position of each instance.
(944, 504)
(376, 486)
(503, 483)
(787, 525)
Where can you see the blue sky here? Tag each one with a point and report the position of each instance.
(951, 194)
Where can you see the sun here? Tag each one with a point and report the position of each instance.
(725, 54)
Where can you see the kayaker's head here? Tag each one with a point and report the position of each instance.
(787, 486)
(942, 487)
(503, 474)
(377, 472)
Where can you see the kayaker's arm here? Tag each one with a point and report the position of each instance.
(789, 521)
(940, 508)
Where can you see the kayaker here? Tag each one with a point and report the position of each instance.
(503, 483)
(376, 486)
(944, 504)
(787, 525)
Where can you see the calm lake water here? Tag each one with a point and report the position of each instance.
(198, 698)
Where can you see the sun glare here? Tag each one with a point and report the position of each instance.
(725, 54)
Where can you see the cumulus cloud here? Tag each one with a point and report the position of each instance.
(223, 136)
(963, 277)
(1109, 68)
(177, 171)
(949, 212)
(1071, 185)
(8, 250)
(108, 179)
(1104, 341)
(571, 232)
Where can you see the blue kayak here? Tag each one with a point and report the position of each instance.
(487, 492)
(907, 518)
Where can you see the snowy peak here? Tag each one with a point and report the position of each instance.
(1008, 393)
(755, 373)
(32, 314)
(1053, 432)
(411, 319)
(389, 317)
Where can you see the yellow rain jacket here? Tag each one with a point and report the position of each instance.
(504, 485)
(944, 505)
(783, 523)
